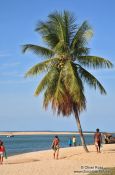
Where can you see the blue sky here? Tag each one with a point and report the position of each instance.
(19, 109)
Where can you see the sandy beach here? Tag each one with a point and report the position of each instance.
(71, 161)
(40, 133)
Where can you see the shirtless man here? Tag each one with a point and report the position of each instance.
(97, 140)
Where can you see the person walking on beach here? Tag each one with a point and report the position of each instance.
(2, 151)
(74, 141)
(70, 142)
(97, 140)
(55, 147)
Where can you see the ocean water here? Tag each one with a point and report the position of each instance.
(29, 143)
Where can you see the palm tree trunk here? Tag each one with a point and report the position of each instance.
(80, 130)
(81, 133)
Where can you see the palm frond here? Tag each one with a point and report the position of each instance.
(61, 48)
(69, 27)
(41, 67)
(49, 93)
(38, 50)
(95, 62)
(90, 79)
(44, 83)
(53, 29)
(48, 32)
(81, 37)
(57, 95)
(57, 19)
(80, 51)
(61, 27)
(74, 85)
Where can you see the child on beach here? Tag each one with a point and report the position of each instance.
(2, 151)
(55, 147)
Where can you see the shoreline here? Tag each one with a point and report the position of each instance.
(47, 150)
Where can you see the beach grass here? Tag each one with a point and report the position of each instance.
(105, 171)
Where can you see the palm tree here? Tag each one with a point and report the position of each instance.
(66, 56)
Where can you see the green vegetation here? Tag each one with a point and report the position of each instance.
(67, 56)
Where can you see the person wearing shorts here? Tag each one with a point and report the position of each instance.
(97, 140)
(55, 146)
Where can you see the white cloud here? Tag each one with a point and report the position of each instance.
(4, 55)
(13, 64)
(15, 81)
(11, 74)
